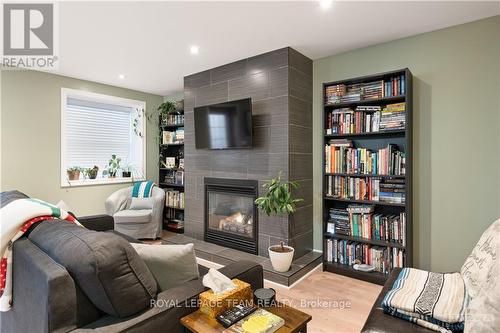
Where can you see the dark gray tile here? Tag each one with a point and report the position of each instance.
(261, 139)
(300, 166)
(195, 211)
(229, 161)
(300, 139)
(271, 111)
(275, 226)
(300, 62)
(197, 162)
(189, 125)
(236, 255)
(268, 61)
(267, 266)
(267, 166)
(203, 255)
(300, 112)
(278, 82)
(302, 243)
(263, 245)
(254, 86)
(275, 277)
(189, 94)
(197, 80)
(308, 258)
(301, 221)
(229, 72)
(279, 139)
(215, 93)
(304, 191)
(300, 85)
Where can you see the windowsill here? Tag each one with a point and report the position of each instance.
(102, 181)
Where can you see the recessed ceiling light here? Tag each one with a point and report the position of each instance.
(325, 4)
(194, 49)
(121, 76)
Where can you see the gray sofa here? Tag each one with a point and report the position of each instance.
(138, 223)
(46, 298)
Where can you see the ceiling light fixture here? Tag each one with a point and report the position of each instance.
(325, 4)
(194, 49)
(121, 76)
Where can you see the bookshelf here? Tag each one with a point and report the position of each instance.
(171, 176)
(367, 162)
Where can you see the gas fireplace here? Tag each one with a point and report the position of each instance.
(230, 213)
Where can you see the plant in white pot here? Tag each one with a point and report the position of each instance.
(279, 201)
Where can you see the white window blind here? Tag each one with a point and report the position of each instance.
(95, 131)
(96, 126)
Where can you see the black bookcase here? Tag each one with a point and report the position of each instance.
(173, 215)
(372, 140)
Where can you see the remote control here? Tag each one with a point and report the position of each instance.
(232, 316)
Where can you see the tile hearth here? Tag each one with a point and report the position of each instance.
(223, 256)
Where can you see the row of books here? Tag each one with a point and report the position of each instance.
(361, 221)
(175, 199)
(382, 258)
(342, 93)
(342, 157)
(366, 188)
(366, 119)
(173, 119)
(170, 137)
(176, 177)
(393, 117)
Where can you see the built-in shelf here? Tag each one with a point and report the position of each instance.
(368, 134)
(375, 101)
(364, 175)
(171, 125)
(172, 144)
(171, 185)
(364, 240)
(171, 169)
(177, 208)
(368, 202)
(346, 270)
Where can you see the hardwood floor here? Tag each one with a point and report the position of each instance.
(335, 302)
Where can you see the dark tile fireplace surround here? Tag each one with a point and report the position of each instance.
(280, 86)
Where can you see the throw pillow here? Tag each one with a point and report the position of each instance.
(141, 203)
(104, 265)
(171, 265)
(481, 274)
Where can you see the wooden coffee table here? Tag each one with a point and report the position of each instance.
(295, 321)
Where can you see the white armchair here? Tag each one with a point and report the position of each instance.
(137, 223)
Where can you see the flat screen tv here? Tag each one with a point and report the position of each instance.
(224, 126)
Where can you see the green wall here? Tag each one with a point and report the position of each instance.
(30, 138)
(456, 133)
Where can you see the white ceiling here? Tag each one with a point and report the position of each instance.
(149, 41)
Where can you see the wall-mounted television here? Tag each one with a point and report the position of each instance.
(224, 126)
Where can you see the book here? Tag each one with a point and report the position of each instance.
(260, 321)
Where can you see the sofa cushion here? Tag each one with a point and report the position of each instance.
(171, 265)
(7, 197)
(142, 203)
(104, 265)
(133, 216)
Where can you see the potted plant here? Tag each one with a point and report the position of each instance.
(113, 165)
(279, 200)
(165, 109)
(73, 173)
(127, 171)
(91, 173)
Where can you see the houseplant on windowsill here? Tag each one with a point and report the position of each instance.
(279, 200)
(73, 173)
(127, 171)
(91, 173)
(114, 165)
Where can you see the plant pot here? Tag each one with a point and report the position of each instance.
(127, 174)
(93, 176)
(73, 175)
(281, 261)
(112, 174)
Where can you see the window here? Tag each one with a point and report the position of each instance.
(93, 128)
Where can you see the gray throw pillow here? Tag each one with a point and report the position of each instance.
(171, 265)
(141, 203)
(104, 265)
